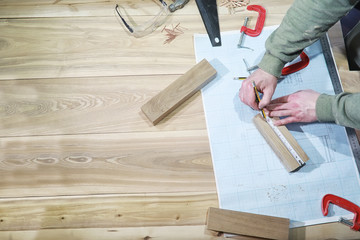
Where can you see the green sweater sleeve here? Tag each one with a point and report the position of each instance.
(304, 23)
(342, 109)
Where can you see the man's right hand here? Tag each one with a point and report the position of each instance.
(265, 83)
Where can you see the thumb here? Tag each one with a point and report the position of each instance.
(266, 99)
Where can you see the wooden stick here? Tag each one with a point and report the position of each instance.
(179, 91)
(286, 158)
(247, 224)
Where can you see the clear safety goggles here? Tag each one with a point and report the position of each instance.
(142, 29)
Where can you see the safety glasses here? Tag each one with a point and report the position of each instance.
(142, 29)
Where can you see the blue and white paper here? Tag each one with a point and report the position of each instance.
(249, 176)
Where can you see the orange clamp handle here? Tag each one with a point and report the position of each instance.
(259, 23)
(343, 203)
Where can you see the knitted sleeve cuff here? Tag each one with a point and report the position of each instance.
(323, 107)
(272, 65)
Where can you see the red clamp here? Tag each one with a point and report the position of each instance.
(343, 203)
(260, 21)
(296, 66)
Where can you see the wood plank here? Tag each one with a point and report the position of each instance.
(99, 8)
(90, 47)
(174, 161)
(75, 8)
(286, 158)
(350, 79)
(95, 8)
(87, 47)
(247, 224)
(77, 46)
(161, 105)
(194, 232)
(89, 105)
(107, 211)
(324, 231)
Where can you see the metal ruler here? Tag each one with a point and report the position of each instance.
(334, 75)
(335, 79)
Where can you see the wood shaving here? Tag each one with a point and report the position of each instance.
(235, 5)
(172, 33)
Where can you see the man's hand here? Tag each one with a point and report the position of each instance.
(265, 83)
(296, 107)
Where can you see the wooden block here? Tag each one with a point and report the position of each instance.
(278, 146)
(179, 91)
(247, 224)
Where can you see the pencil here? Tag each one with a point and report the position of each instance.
(258, 99)
(239, 78)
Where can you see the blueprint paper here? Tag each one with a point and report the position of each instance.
(249, 176)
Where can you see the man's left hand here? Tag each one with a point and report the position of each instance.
(296, 107)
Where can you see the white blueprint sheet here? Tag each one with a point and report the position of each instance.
(249, 176)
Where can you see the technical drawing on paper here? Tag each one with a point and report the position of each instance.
(249, 176)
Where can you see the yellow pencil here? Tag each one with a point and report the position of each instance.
(239, 78)
(258, 99)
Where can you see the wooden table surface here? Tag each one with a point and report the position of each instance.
(78, 159)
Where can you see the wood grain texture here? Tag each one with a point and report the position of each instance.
(89, 106)
(107, 211)
(72, 83)
(34, 48)
(73, 8)
(350, 79)
(286, 158)
(193, 232)
(167, 100)
(324, 231)
(100, 46)
(173, 161)
(100, 8)
(248, 224)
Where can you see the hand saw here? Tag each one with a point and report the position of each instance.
(209, 15)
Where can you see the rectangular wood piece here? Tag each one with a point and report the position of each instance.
(286, 158)
(179, 91)
(247, 224)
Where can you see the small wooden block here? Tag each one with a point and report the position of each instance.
(247, 224)
(179, 91)
(286, 158)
